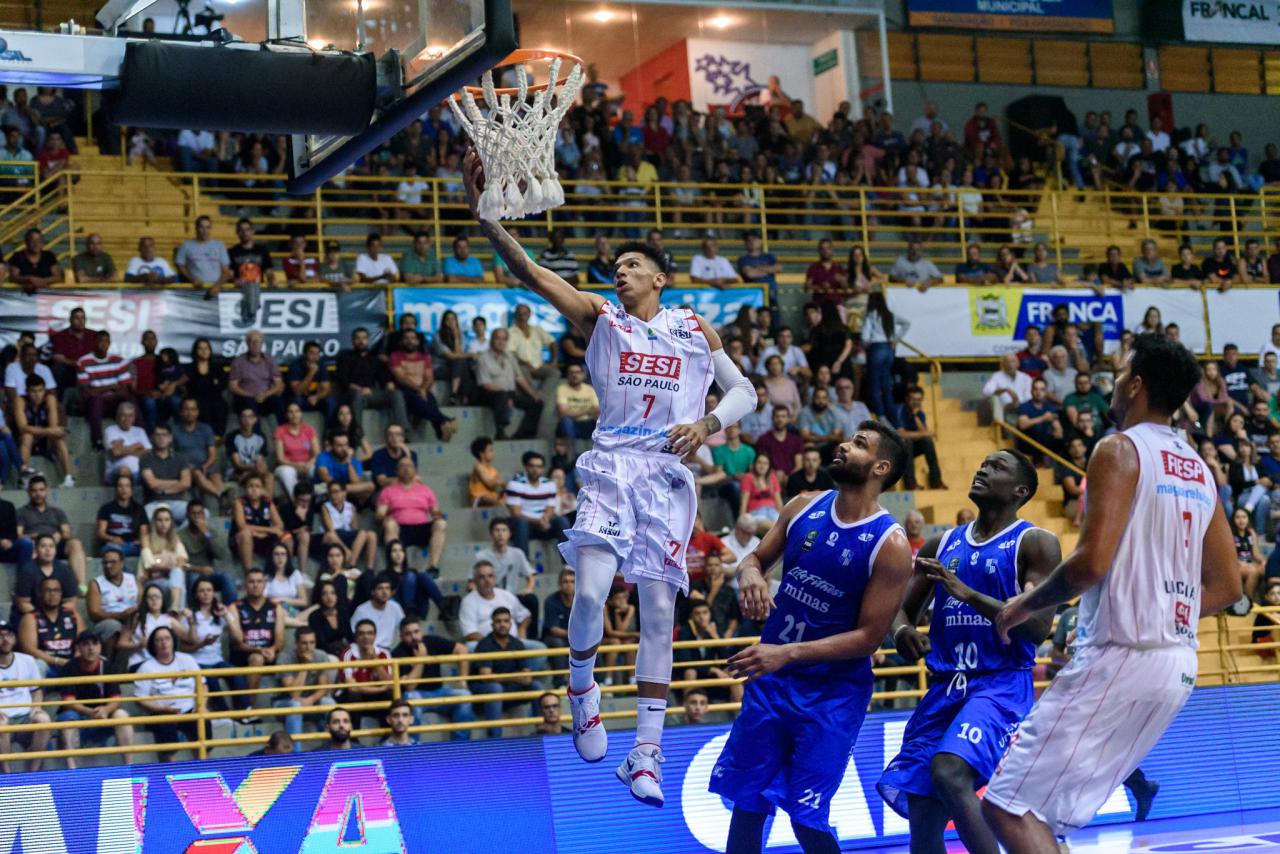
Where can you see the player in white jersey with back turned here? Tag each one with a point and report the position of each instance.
(651, 368)
(1154, 556)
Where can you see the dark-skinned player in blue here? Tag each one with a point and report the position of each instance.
(979, 686)
(846, 564)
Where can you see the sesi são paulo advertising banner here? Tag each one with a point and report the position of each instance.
(497, 305)
(288, 318)
(535, 795)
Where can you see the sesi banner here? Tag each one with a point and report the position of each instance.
(497, 305)
(1231, 21)
(179, 317)
(459, 798)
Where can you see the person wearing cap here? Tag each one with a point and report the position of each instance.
(17, 704)
(92, 701)
(48, 633)
(113, 599)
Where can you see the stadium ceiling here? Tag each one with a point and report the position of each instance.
(619, 36)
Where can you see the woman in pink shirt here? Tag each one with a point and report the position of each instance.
(296, 449)
(409, 512)
(761, 492)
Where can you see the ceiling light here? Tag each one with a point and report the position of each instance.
(602, 16)
(721, 22)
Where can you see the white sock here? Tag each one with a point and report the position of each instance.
(650, 716)
(581, 672)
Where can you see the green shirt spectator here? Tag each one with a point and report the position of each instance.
(734, 456)
(94, 265)
(419, 265)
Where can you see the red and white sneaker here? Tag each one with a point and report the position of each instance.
(589, 737)
(642, 774)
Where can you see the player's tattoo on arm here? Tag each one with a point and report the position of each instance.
(509, 251)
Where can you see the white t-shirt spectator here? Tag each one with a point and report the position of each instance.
(387, 620)
(532, 498)
(1159, 141)
(476, 612)
(16, 379)
(135, 435)
(22, 668)
(139, 267)
(719, 267)
(792, 359)
(286, 588)
(382, 269)
(1019, 383)
(344, 519)
(196, 140)
(175, 687)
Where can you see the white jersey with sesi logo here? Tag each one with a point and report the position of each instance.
(1150, 597)
(649, 376)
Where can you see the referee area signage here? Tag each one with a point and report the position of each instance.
(446, 798)
(1071, 16)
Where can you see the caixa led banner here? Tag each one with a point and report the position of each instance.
(534, 795)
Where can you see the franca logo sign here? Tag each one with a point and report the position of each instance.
(353, 813)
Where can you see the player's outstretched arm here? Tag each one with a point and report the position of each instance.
(1113, 479)
(913, 644)
(737, 400)
(579, 308)
(1220, 574)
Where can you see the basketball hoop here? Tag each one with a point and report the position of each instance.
(515, 137)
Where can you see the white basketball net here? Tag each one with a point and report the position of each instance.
(516, 141)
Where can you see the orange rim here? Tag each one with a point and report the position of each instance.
(527, 55)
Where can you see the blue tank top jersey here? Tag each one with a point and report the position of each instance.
(961, 639)
(826, 564)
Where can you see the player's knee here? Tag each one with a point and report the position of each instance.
(951, 776)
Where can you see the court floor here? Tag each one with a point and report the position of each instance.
(1256, 832)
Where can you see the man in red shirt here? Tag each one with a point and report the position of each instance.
(68, 345)
(298, 268)
(826, 279)
(354, 679)
(701, 544)
(783, 447)
(105, 381)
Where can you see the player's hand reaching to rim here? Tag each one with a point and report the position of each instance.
(472, 179)
(754, 599)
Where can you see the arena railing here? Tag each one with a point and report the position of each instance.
(1001, 427)
(894, 682)
(789, 218)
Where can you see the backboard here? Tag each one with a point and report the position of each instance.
(426, 49)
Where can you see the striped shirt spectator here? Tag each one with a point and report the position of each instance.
(103, 371)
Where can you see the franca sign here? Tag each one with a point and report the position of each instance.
(1232, 21)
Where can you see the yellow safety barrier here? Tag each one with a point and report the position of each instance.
(891, 679)
(123, 204)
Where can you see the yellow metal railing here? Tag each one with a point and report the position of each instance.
(1006, 427)
(399, 686)
(788, 217)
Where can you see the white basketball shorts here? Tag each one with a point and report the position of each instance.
(642, 506)
(1089, 731)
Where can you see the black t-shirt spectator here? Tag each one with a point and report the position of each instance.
(435, 645)
(1259, 431)
(363, 369)
(1185, 272)
(555, 614)
(1224, 269)
(333, 640)
(502, 666)
(8, 521)
(797, 483)
(581, 343)
(1237, 379)
(27, 583)
(162, 468)
(19, 263)
(599, 272)
(90, 691)
(123, 522)
(249, 263)
(724, 607)
(1118, 271)
(290, 517)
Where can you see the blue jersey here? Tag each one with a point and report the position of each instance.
(961, 639)
(826, 566)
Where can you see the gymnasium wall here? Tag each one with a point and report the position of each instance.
(535, 794)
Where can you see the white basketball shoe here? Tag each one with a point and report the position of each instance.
(641, 772)
(589, 737)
